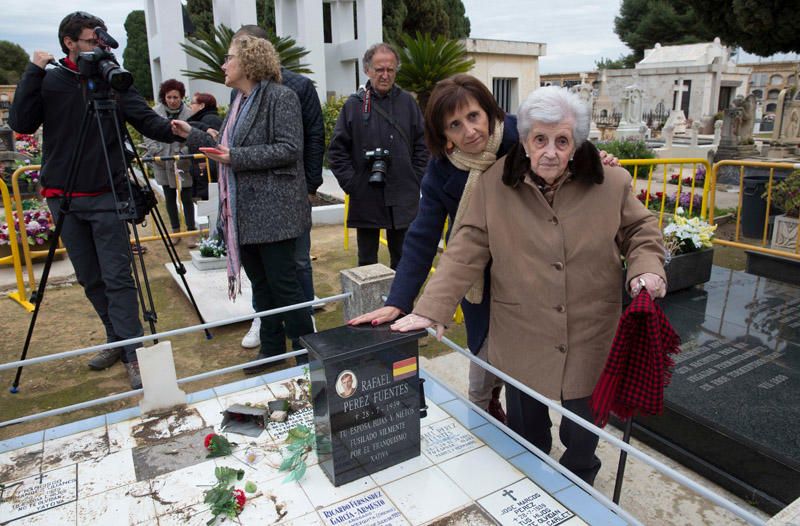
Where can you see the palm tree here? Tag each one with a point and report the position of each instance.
(424, 61)
(210, 49)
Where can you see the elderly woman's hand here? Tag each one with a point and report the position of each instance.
(414, 322)
(608, 159)
(378, 316)
(653, 283)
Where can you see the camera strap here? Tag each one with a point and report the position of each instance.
(366, 106)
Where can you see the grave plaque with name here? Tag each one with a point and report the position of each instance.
(365, 386)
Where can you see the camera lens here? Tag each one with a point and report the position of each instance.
(378, 175)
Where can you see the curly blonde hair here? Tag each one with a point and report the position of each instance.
(258, 58)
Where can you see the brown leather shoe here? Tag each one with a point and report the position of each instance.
(496, 408)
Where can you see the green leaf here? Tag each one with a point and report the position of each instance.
(287, 463)
(250, 487)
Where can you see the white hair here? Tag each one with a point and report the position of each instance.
(552, 105)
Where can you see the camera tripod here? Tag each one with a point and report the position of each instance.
(133, 200)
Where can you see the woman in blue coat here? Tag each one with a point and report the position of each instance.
(466, 132)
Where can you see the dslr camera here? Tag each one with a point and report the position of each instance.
(380, 164)
(100, 64)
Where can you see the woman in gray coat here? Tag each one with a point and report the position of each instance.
(263, 203)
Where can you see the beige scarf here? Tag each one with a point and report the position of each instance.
(476, 164)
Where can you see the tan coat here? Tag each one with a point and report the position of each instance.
(556, 274)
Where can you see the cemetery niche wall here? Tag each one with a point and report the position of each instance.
(366, 394)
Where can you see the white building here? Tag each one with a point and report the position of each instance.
(709, 79)
(509, 69)
(326, 28)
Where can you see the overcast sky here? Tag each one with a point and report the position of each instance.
(577, 32)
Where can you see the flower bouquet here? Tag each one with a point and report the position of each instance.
(683, 235)
(38, 227)
(211, 247)
(27, 145)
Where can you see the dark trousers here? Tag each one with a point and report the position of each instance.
(272, 273)
(369, 240)
(97, 243)
(302, 259)
(171, 197)
(531, 419)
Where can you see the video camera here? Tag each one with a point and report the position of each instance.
(380, 165)
(100, 64)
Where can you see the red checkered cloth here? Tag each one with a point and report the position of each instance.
(638, 366)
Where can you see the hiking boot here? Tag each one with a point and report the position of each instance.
(252, 339)
(134, 375)
(105, 359)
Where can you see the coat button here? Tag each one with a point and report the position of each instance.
(558, 265)
(554, 220)
(561, 308)
(561, 348)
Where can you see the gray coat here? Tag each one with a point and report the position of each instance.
(164, 171)
(268, 185)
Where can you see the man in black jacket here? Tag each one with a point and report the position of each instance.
(95, 238)
(380, 116)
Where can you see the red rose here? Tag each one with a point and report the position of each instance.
(240, 498)
(207, 441)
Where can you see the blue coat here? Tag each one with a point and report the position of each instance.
(442, 186)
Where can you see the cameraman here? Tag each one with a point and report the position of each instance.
(95, 237)
(379, 116)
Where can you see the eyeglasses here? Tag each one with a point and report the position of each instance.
(90, 41)
(228, 58)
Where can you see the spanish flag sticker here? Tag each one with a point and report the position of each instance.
(404, 368)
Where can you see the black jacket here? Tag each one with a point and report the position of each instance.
(358, 131)
(205, 119)
(57, 98)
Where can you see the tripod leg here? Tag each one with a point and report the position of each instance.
(149, 314)
(180, 269)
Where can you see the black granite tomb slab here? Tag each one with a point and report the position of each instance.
(731, 409)
(366, 395)
(773, 267)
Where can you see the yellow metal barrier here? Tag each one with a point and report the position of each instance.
(737, 243)
(666, 163)
(20, 295)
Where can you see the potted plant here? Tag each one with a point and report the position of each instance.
(39, 228)
(786, 196)
(210, 254)
(688, 243)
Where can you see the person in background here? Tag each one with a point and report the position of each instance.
(379, 118)
(170, 173)
(313, 153)
(554, 223)
(263, 201)
(204, 117)
(466, 132)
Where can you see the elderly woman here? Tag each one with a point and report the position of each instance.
(262, 192)
(205, 118)
(466, 132)
(169, 173)
(554, 223)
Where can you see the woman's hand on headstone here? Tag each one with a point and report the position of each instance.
(378, 316)
(415, 322)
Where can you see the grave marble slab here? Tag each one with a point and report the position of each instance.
(367, 509)
(447, 439)
(39, 493)
(526, 504)
(732, 401)
(210, 291)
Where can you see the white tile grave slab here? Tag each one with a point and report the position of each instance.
(447, 439)
(130, 504)
(524, 503)
(426, 495)
(109, 472)
(210, 291)
(39, 493)
(495, 472)
(366, 509)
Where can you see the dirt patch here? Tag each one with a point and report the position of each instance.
(324, 200)
(165, 425)
(19, 465)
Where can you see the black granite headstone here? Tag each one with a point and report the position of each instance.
(366, 393)
(731, 410)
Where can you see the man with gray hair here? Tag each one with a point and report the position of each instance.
(378, 155)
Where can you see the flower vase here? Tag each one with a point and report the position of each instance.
(689, 269)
